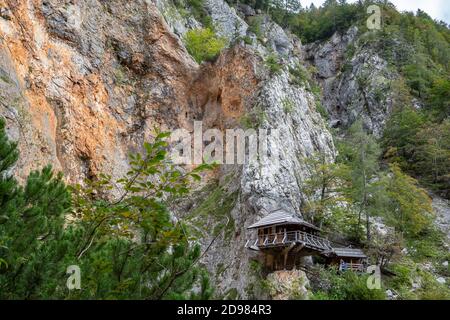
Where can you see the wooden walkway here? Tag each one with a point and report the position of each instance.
(287, 238)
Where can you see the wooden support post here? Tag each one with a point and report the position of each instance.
(286, 252)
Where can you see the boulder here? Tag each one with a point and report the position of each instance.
(288, 285)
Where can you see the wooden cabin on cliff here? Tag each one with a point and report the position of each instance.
(284, 238)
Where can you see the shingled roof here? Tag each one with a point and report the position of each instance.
(281, 217)
(348, 252)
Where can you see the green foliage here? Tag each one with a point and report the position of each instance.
(120, 76)
(8, 186)
(203, 44)
(345, 286)
(409, 207)
(255, 26)
(432, 156)
(31, 226)
(415, 45)
(324, 187)
(5, 77)
(408, 272)
(273, 64)
(385, 247)
(401, 131)
(420, 147)
(213, 214)
(429, 246)
(321, 110)
(404, 274)
(360, 152)
(440, 97)
(431, 289)
(299, 75)
(341, 193)
(139, 224)
(312, 23)
(128, 247)
(418, 48)
(258, 287)
(247, 40)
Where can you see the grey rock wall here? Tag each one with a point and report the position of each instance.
(356, 81)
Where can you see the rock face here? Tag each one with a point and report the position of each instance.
(264, 185)
(93, 79)
(227, 23)
(177, 23)
(86, 83)
(291, 111)
(356, 81)
(288, 285)
(83, 83)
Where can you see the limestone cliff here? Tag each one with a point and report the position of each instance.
(357, 82)
(85, 82)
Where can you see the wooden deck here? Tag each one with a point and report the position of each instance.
(288, 238)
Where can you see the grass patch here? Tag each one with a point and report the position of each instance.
(321, 110)
(273, 64)
(288, 105)
(299, 75)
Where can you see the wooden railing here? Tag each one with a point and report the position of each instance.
(355, 267)
(287, 238)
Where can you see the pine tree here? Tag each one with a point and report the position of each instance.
(8, 185)
(33, 217)
(127, 248)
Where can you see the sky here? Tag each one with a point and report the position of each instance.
(437, 9)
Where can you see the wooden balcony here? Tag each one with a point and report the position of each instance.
(354, 267)
(288, 238)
